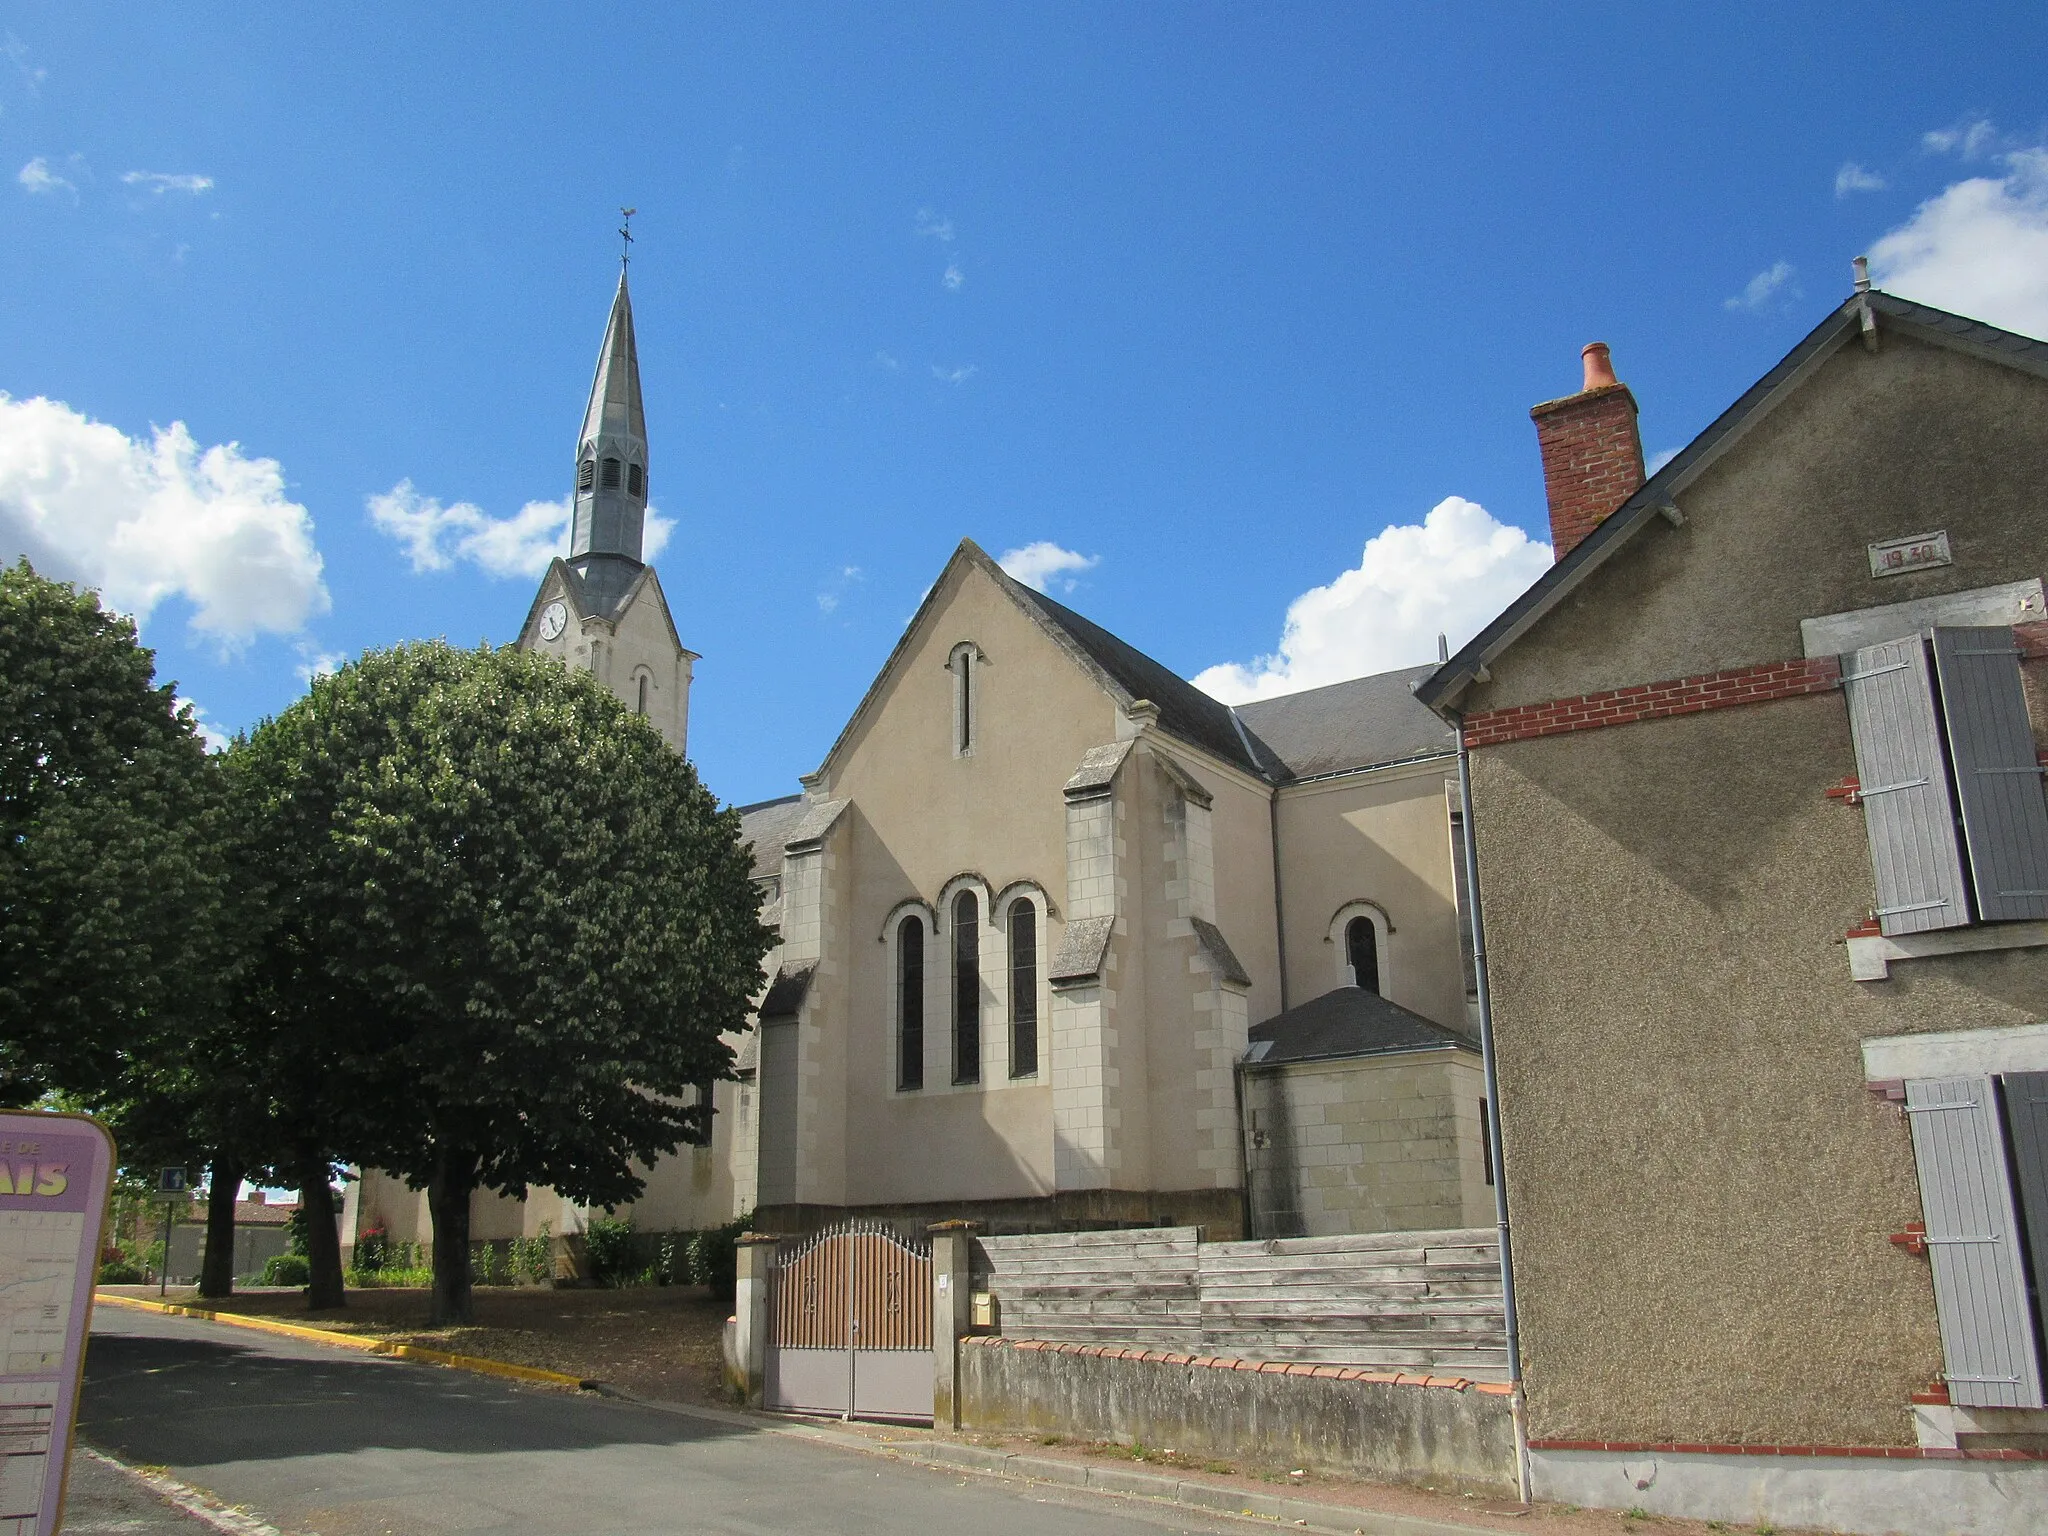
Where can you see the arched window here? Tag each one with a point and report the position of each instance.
(640, 707)
(610, 482)
(966, 989)
(1023, 988)
(1362, 950)
(586, 474)
(961, 665)
(636, 480)
(910, 1003)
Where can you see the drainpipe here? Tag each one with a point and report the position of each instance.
(1487, 1058)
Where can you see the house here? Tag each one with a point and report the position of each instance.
(1031, 907)
(1763, 860)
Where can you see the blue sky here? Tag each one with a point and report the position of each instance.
(1206, 297)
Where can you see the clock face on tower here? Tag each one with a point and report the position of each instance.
(553, 620)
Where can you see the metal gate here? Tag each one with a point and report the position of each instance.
(850, 1325)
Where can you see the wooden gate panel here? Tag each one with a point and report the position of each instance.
(850, 1325)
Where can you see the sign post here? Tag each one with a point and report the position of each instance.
(170, 1183)
(56, 1172)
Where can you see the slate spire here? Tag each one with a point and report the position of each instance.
(611, 461)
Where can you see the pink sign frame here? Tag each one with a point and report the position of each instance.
(56, 1176)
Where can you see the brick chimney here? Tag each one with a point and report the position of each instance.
(1592, 453)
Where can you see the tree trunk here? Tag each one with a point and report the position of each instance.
(448, 1192)
(323, 1239)
(217, 1268)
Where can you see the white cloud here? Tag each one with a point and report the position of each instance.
(837, 586)
(953, 277)
(886, 363)
(1764, 287)
(958, 375)
(1659, 459)
(314, 662)
(1979, 248)
(1450, 574)
(936, 225)
(37, 177)
(434, 537)
(161, 182)
(1044, 564)
(1854, 178)
(144, 520)
(215, 738)
(1969, 137)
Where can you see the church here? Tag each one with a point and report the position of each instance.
(1064, 942)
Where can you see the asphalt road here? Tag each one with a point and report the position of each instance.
(314, 1439)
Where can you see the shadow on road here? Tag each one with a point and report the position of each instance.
(167, 1398)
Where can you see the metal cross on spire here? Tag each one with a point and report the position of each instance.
(626, 235)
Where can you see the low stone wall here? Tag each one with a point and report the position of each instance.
(1379, 1424)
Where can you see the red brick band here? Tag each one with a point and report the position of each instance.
(1654, 701)
(1867, 1452)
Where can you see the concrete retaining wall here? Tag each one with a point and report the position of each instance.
(1370, 1424)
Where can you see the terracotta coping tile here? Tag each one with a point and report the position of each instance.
(1246, 1365)
(1272, 1368)
(1326, 1370)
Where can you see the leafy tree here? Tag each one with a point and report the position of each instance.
(515, 926)
(110, 877)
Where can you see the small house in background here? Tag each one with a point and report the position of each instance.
(262, 1231)
(1361, 1116)
(1763, 859)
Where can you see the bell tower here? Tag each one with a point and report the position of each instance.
(600, 608)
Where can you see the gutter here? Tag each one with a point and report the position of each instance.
(1490, 1063)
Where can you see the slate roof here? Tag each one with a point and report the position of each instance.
(1347, 1022)
(1874, 311)
(767, 825)
(1356, 724)
(1184, 710)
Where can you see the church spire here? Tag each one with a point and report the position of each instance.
(611, 459)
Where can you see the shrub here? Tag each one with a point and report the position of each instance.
(533, 1258)
(119, 1269)
(373, 1250)
(487, 1264)
(608, 1244)
(287, 1269)
(714, 1257)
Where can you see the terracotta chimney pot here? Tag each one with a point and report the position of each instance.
(1599, 365)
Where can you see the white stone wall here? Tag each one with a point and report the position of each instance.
(1366, 1144)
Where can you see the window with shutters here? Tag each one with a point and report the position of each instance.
(1979, 1146)
(1949, 779)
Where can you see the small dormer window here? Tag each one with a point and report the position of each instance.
(636, 480)
(586, 474)
(610, 481)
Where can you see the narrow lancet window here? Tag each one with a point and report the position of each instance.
(1023, 989)
(961, 665)
(641, 707)
(1362, 945)
(910, 1003)
(966, 989)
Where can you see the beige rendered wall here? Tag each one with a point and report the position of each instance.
(1700, 1184)
(1383, 837)
(919, 817)
(642, 641)
(1368, 1144)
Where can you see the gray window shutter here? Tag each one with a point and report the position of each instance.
(1907, 811)
(2026, 1115)
(1980, 1280)
(1998, 776)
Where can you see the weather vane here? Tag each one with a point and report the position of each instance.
(626, 234)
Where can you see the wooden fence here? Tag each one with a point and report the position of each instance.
(1417, 1301)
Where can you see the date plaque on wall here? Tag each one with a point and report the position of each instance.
(1895, 557)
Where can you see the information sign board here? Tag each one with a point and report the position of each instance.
(55, 1174)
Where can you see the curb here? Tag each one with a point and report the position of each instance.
(196, 1502)
(420, 1352)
